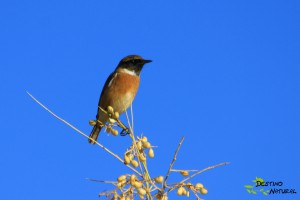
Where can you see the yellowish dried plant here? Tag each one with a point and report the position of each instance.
(139, 184)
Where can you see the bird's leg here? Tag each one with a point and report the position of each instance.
(125, 130)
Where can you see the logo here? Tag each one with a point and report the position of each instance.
(268, 187)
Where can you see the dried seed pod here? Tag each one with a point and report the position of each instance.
(146, 145)
(127, 198)
(116, 115)
(184, 173)
(144, 139)
(134, 163)
(187, 193)
(139, 145)
(131, 156)
(111, 120)
(108, 129)
(114, 132)
(180, 191)
(133, 178)
(184, 191)
(122, 197)
(116, 196)
(158, 196)
(92, 122)
(165, 197)
(198, 186)
(110, 110)
(121, 178)
(141, 191)
(159, 179)
(147, 190)
(151, 153)
(137, 184)
(189, 185)
(120, 185)
(141, 197)
(142, 158)
(126, 160)
(203, 190)
(124, 181)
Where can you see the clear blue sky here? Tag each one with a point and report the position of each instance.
(225, 74)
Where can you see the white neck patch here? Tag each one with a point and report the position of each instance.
(132, 73)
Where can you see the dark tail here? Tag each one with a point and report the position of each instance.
(94, 134)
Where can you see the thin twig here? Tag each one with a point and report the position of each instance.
(133, 141)
(203, 170)
(145, 171)
(80, 132)
(172, 163)
(195, 193)
(131, 112)
(180, 170)
(101, 181)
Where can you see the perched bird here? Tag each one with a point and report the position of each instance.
(119, 89)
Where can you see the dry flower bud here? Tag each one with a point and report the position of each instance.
(184, 173)
(126, 160)
(116, 115)
(110, 110)
(141, 191)
(146, 145)
(132, 177)
(120, 185)
(164, 197)
(180, 191)
(158, 196)
(114, 132)
(144, 139)
(116, 195)
(122, 197)
(134, 163)
(141, 197)
(131, 156)
(92, 122)
(189, 185)
(137, 184)
(151, 153)
(147, 190)
(108, 129)
(139, 145)
(111, 120)
(142, 158)
(187, 193)
(203, 190)
(198, 186)
(121, 178)
(159, 179)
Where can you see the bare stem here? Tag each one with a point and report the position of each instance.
(203, 170)
(180, 170)
(101, 181)
(172, 163)
(195, 193)
(83, 134)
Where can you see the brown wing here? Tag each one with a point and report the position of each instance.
(105, 87)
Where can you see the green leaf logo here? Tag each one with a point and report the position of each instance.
(251, 188)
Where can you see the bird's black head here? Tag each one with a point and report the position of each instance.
(133, 63)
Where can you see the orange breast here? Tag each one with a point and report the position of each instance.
(120, 92)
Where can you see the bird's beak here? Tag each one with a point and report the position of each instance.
(147, 61)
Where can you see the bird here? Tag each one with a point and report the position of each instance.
(119, 90)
